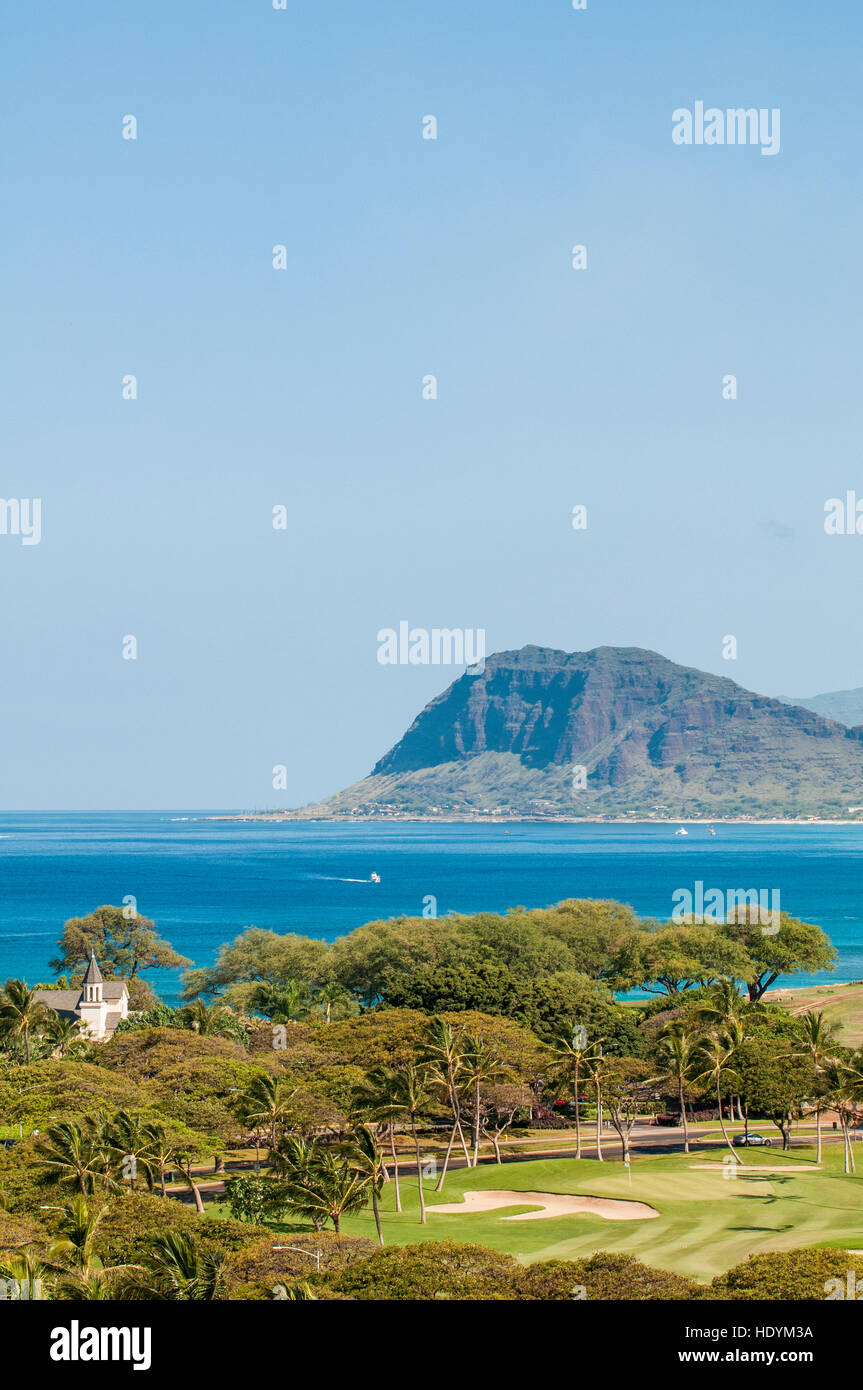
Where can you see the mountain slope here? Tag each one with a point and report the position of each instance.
(654, 737)
(845, 706)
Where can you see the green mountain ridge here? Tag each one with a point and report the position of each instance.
(654, 738)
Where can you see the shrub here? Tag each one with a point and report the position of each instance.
(253, 1198)
(255, 1269)
(604, 1277)
(432, 1270)
(134, 1218)
(785, 1274)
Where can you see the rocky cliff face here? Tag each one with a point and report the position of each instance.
(649, 732)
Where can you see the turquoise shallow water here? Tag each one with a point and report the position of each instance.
(202, 882)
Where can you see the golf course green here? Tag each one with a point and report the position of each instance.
(708, 1221)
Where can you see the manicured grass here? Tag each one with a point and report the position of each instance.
(842, 1006)
(707, 1222)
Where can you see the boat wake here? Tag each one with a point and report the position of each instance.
(335, 878)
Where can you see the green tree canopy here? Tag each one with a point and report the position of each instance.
(125, 944)
(774, 1082)
(569, 1000)
(675, 957)
(795, 947)
(257, 956)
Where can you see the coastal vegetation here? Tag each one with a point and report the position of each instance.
(290, 1129)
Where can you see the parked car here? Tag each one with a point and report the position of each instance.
(752, 1141)
(7, 1143)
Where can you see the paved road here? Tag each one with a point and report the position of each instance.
(646, 1140)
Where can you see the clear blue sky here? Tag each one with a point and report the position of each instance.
(302, 387)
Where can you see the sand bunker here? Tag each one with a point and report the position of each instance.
(552, 1204)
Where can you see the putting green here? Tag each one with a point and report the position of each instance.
(707, 1220)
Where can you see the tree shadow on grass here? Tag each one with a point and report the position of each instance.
(291, 1228)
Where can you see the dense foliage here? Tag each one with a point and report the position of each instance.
(299, 1079)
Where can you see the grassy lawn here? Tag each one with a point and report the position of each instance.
(842, 1006)
(707, 1222)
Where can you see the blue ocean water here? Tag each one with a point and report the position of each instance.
(203, 881)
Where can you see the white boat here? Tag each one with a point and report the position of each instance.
(681, 831)
(375, 878)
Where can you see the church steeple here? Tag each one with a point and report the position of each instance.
(93, 982)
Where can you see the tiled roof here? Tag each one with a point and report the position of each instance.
(60, 1000)
(69, 1000)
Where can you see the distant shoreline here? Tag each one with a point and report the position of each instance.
(293, 818)
(803, 989)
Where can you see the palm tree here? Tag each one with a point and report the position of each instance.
(35, 1278)
(570, 1050)
(295, 1158)
(188, 1178)
(100, 1131)
(854, 1080)
(818, 1044)
(20, 1012)
(594, 1061)
(724, 1004)
(294, 1154)
(282, 1003)
(94, 1284)
(444, 1058)
(69, 1153)
(327, 1191)
(78, 1227)
(373, 1097)
(329, 994)
(844, 1080)
(677, 1053)
(266, 1102)
(481, 1065)
(132, 1140)
(161, 1158)
(208, 1020)
(365, 1153)
(179, 1269)
(294, 1293)
(62, 1033)
(410, 1097)
(717, 1051)
(727, 1010)
(88, 1277)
